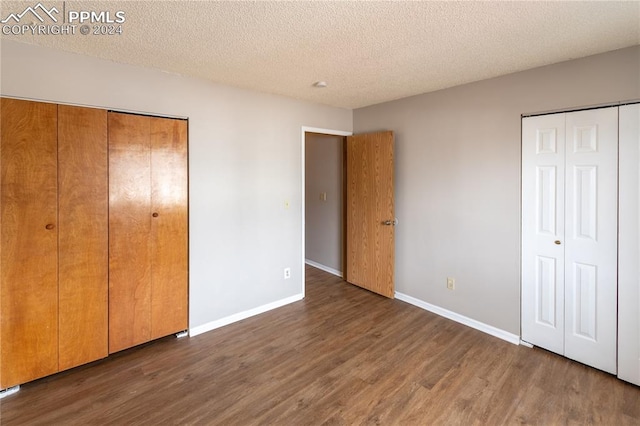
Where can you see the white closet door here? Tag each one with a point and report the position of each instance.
(591, 234)
(629, 246)
(543, 142)
(569, 234)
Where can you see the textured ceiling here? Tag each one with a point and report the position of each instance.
(368, 52)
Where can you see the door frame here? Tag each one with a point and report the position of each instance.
(304, 131)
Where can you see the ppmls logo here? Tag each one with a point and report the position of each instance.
(16, 17)
(87, 22)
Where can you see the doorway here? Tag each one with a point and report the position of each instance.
(323, 200)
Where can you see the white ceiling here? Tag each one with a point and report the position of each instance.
(367, 51)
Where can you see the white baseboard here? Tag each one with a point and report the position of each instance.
(243, 315)
(323, 267)
(485, 328)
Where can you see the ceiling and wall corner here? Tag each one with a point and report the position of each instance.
(367, 52)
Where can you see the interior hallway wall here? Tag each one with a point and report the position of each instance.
(324, 218)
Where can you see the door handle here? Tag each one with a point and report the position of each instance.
(393, 222)
(557, 242)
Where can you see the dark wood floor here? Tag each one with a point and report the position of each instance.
(341, 356)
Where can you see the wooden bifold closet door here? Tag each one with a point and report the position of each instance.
(29, 250)
(83, 216)
(148, 282)
(53, 195)
(93, 231)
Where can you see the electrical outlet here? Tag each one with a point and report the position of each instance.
(287, 273)
(451, 283)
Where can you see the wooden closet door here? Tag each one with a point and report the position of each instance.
(168, 226)
(83, 235)
(129, 231)
(29, 241)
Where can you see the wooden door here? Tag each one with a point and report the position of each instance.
(29, 241)
(83, 235)
(370, 212)
(169, 244)
(129, 231)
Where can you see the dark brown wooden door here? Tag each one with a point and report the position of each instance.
(169, 244)
(370, 212)
(29, 241)
(129, 231)
(82, 235)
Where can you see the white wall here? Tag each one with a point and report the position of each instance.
(458, 178)
(244, 163)
(324, 218)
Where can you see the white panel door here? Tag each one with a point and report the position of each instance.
(569, 234)
(591, 243)
(543, 141)
(629, 246)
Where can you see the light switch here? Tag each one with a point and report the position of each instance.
(323, 196)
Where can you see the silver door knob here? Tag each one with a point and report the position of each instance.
(393, 222)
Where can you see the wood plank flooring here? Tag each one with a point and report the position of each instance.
(342, 356)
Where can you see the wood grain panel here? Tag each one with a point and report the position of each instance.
(169, 243)
(29, 264)
(370, 202)
(129, 231)
(83, 235)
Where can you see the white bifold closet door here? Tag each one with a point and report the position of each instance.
(629, 245)
(569, 234)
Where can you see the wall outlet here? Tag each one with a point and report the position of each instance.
(287, 273)
(451, 283)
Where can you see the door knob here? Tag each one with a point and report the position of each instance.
(393, 222)
(49, 226)
(155, 214)
(558, 242)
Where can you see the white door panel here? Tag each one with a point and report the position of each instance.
(629, 246)
(591, 237)
(543, 140)
(569, 234)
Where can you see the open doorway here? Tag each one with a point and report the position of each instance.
(367, 183)
(324, 202)
(323, 217)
